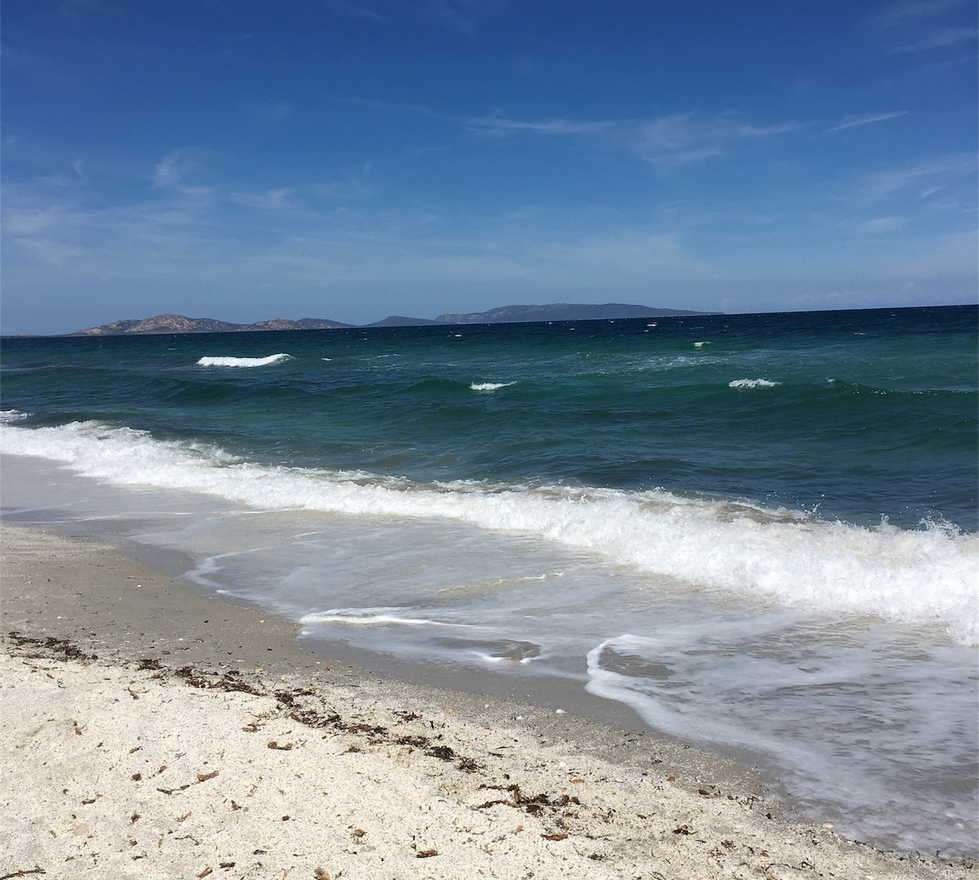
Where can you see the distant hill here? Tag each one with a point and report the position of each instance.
(562, 312)
(402, 321)
(501, 315)
(183, 324)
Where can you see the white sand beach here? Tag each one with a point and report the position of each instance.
(150, 732)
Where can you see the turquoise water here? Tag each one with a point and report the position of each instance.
(756, 531)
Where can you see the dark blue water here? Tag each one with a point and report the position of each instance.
(873, 414)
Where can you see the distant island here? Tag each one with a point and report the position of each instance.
(501, 315)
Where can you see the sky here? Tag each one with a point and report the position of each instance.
(350, 159)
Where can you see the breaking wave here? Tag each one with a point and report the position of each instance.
(919, 576)
(752, 383)
(244, 362)
(489, 386)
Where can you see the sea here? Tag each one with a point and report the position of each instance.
(753, 533)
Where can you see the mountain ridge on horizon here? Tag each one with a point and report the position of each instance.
(173, 323)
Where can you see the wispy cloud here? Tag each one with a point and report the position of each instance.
(667, 141)
(941, 38)
(462, 16)
(932, 171)
(859, 120)
(269, 110)
(682, 138)
(883, 224)
(176, 166)
(355, 10)
(499, 125)
(909, 12)
(269, 200)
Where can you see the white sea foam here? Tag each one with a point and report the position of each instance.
(7, 416)
(920, 576)
(752, 383)
(489, 386)
(244, 362)
(364, 617)
(496, 658)
(700, 344)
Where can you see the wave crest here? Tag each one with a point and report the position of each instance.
(919, 576)
(208, 361)
(752, 383)
(489, 386)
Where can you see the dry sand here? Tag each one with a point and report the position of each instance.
(203, 741)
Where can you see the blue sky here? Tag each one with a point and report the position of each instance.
(354, 158)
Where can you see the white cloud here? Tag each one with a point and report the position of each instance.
(167, 171)
(883, 224)
(355, 10)
(268, 110)
(895, 180)
(942, 38)
(683, 138)
(905, 13)
(499, 125)
(463, 16)
(866, 119)
(666, 141)
(269, 200)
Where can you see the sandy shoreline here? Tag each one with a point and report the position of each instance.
(202, 740)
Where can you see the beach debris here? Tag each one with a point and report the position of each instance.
(206, 871)
(23, 872)
(532, 804)
(321, 874)
(62, 647)
(426, 853)
(557, 835)
(134, 818)
(443, 753)
(149, 663)
(226, 681)
(201, 777)
(683, 829)
(284, 747)
(359, 833)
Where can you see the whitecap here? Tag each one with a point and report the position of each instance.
(8, 416)
(700, 344)
(752, 383)
(209, 361)
(489, 386)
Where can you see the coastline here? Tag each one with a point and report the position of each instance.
(591, 800)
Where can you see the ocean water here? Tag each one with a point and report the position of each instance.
(756, 531)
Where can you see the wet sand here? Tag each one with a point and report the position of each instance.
(149, 731)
